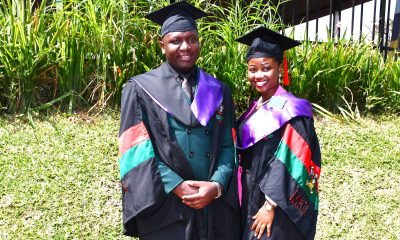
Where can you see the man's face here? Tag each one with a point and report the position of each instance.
(181, 49)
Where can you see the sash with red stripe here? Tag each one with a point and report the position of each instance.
(295, 153)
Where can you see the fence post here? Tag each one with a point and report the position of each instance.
(387, 29)
(381, 24)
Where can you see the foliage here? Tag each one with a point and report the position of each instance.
(59, 178)
(73, 53)
(221, 54)
(88, 48)
(24, 56)
(334, 74)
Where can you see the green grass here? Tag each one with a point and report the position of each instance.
(59, 178)
(360, 179)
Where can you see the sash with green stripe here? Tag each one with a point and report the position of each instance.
(295, 153)
(134, 148)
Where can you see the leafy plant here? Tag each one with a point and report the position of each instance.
(221, 54)
(325, 73)
(91, 48)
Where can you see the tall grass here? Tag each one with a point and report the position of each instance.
(334, 74)
(24, 55)
(84, 50)
(221, 54)
(80, 53)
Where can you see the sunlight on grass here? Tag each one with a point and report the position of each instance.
(59, 180)
(360, 179)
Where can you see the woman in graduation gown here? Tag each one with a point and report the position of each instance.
(279, 151)
(176, 147)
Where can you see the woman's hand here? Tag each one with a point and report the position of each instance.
(263, 220)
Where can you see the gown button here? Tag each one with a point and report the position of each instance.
(191, 154)
(188, 131)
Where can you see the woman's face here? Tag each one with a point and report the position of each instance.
(263, 74)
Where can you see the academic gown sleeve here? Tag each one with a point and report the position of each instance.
(131, 114)
(225, 162)
(169, 178)
(142, 187)
(291, 177)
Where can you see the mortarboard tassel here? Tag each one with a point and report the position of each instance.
(285, 71)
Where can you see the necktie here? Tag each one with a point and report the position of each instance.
(186, 87)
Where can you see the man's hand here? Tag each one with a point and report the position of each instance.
(207, 191)
(263, 221)
(185, 189)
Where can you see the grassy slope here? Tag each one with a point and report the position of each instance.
(59, 180)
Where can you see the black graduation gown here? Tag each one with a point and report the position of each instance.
(147, 210)
(268, 170)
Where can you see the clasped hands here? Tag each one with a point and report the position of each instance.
(196, 194)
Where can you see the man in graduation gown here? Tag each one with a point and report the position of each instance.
(176, 148)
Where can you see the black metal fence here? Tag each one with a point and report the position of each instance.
(305, 12)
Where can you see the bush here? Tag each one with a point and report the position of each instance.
(80, 53)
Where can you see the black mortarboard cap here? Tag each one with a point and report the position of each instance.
(264, 42)
(176, 17)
